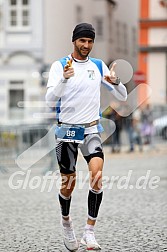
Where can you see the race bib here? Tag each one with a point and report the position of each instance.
(71, 133)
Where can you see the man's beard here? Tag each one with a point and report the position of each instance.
(84, 56)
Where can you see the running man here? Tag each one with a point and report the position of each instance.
(74, 86)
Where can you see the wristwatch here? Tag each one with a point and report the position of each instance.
(117, 81)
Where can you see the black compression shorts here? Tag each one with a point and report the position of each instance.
(67, 153)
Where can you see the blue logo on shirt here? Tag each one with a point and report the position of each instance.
(91, 74)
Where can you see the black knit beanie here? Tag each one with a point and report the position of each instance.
(83, 30)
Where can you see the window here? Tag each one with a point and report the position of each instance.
(25, 18)
(20, 83)
(13, 18)
(25, 2)
(118, 36)
(79, 12)
(99, 27)
(13, 2)
(134, 41)
(15, 97)
(16, 94)
(1, 16)
(125, 38)
(19, 13)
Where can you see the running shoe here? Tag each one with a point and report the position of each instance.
(89, 240)
(69, 238)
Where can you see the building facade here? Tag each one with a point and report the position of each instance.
(21, 54)
(152, 60)
(33, 34)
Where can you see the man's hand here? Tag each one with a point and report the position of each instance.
(112, 77)
(68, 70)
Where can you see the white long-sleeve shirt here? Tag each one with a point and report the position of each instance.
(78, 98)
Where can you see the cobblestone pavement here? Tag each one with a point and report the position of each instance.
(132, 219)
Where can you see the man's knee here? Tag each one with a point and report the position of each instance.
(96, 179)
(68, 183)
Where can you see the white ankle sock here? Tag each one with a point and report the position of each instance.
(66, 222)
(89, 227)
